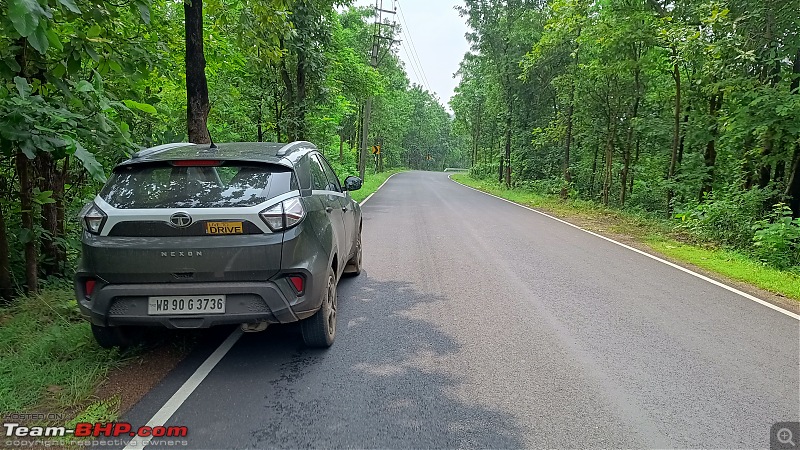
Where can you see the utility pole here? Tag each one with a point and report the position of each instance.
(377, 37)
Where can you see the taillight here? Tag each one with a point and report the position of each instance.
(88, 287)
(293, 211)
(298, 282)
(93, 218)
(284, 215)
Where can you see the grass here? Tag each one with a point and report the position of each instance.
(733, 265)
(371, 183)
(48, 357)
(660, 236)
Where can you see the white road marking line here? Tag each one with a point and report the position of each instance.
(180, 396)
(379, 187)
(683, 269)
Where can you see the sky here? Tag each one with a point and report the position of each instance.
(432, 37)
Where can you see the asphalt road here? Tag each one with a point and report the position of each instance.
(480, 324)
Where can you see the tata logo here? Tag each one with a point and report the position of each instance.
(182, 254)
(180, 219)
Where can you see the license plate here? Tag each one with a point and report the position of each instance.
(204, 304)
(224, 228)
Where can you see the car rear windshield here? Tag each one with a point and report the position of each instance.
(230, 184)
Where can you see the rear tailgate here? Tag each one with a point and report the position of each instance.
(194, 220)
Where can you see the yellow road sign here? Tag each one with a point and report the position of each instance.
(376, 149)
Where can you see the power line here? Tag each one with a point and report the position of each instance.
(414, 55)
(412, 65)
(407, 32)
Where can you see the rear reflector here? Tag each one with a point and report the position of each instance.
(298, 282)
(196, 163)
(89, 287)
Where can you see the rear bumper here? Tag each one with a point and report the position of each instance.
(246, 302)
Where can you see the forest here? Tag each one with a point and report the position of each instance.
(87, 82)
(684, 110)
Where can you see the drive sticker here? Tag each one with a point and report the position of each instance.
(224, 228)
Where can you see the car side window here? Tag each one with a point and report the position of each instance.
(333, 180)
(319, 182)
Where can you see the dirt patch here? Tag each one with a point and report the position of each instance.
(133, 380)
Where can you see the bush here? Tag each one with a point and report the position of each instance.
(726, 218)
(777, 238)
(483, 171)
(550, 186)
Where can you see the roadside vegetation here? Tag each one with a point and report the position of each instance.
(670, 238)
(48, 357)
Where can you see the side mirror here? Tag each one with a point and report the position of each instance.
(352, 183)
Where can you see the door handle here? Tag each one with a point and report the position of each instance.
(328, 208)
(344, 208)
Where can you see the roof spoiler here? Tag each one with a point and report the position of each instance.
(158, 149)
(288, 148)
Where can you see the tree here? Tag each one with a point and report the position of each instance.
(197, 105)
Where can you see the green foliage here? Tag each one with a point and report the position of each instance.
(485, 171)
(726, 218)
(777, 238)
(47, 352)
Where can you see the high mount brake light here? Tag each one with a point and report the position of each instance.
(196, 163)
(284, 215)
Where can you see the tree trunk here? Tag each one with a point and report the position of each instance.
(6, 290)
(594, 170)
(568, 144)
(508, 145)
(683, 134)
(609, 156)
(61, 212)
(300, 106)
(793, 187)
(676, 134)
(49, 180)
(710, 156)
(570, 113)
(629, 141)
(260, 118)
(26, 205)
(197, 105)
(765, 169)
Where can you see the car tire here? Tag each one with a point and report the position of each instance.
(319, 330)
(110, 337)
(353, 266)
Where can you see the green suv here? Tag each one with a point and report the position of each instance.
(192, 236)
